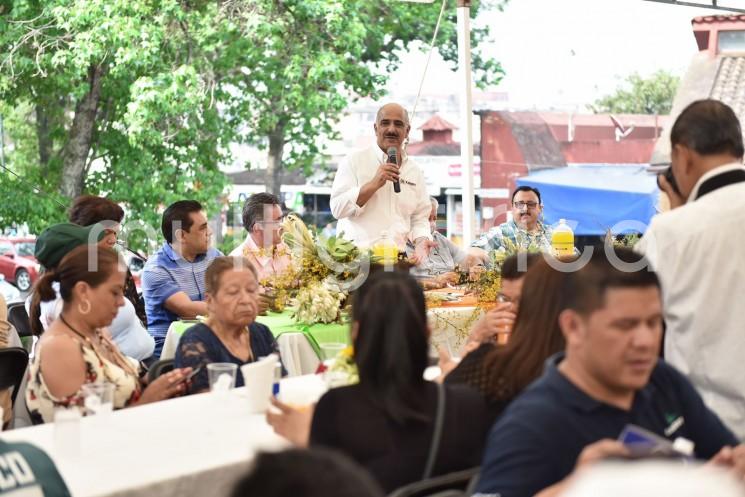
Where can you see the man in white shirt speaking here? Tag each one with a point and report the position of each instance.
(363, 198)
(696, 251)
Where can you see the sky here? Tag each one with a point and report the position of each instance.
(563, 54)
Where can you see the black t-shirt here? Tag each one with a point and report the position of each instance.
(473, 371)
(536, 442)
(348, 420)
(27, 470)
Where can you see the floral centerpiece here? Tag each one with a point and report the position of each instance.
(324, 271)
(343, 370)
(487, 283)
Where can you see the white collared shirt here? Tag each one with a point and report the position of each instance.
(403, 215)
(696, 251)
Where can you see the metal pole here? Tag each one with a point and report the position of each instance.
(713, 5)
(466, 141)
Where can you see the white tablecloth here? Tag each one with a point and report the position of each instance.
(191, 446)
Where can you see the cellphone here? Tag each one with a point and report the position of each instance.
(193, 373)
(670, 177)
(644, 443)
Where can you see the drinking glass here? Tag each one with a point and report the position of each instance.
(98, 398)
(221, 376)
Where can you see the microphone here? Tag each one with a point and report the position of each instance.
(393, 160)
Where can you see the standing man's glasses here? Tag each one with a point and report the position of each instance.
(522, 205)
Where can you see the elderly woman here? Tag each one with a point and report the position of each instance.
(76, 348)
(230, 334)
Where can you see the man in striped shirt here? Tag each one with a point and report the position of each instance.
(173, 278)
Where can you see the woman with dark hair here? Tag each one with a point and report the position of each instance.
(500, 373)
(231, 333)
(76, 350)
(52, 245)
(387, 422)
(87, 210)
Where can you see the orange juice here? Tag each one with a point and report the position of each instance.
(562, 239)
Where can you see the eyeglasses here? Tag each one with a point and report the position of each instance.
(273, 222)
(503, 298)
(522, 205)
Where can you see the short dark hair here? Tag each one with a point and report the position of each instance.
(391, 347)
(253, 210)
(308, 473)
(526, 189)
(512, 269)
(585, 289)
(178, 213)
(709, 127)
(90, 209)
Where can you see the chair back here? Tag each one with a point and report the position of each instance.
(450, 485)
(13, 362)
(18, 317)
(158, 368)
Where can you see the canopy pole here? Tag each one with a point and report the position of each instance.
(466, 108)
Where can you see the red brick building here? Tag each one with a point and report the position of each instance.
(515, 143)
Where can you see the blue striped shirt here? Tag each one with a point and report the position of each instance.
(167, 273)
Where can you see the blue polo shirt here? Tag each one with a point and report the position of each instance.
(538, 439)
(167, 273)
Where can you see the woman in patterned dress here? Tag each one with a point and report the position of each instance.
(76, 349)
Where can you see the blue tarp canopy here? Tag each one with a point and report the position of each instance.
(597, 198)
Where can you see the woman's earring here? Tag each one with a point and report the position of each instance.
(87, 307)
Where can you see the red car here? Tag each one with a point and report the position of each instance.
(17, 262)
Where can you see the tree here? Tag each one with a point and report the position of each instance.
(140, 100)
(119, 96)
(315, 57)
(638, 95)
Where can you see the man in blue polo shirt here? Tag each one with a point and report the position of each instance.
(609, 377)
(173, 279)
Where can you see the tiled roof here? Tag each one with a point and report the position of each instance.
(729, 85)
(718, 19)
(538, 146)
(436, 123)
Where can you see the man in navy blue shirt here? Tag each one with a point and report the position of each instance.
(609, 377)
(173, 279)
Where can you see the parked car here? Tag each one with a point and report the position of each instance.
(8, 291)
(135, 265)
(17, 262)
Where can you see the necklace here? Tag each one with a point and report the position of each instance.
(114, 355)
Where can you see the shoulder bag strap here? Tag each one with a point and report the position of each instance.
(434, 447)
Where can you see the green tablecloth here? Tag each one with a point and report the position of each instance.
(282, 322)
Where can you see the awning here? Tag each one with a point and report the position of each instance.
(596, 198)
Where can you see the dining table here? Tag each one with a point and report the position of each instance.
(197, 445)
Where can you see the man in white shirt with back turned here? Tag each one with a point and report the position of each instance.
(363, 197)
(696, 249)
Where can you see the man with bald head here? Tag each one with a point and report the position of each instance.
(363, 197)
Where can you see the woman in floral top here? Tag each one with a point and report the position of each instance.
(76, 348)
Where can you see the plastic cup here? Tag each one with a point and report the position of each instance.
(331, 351)
(221, 376)
(98, 398)
(67, 432)
(259, 379)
